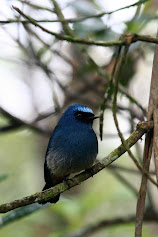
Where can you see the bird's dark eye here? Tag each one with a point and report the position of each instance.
(85, 117)
(79, 115)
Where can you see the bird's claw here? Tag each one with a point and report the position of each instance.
(90, 170)
(67, 182)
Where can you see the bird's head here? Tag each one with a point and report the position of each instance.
(79, 113)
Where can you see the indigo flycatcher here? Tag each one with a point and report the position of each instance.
(72, 147)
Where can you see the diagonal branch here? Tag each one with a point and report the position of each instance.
(142, 128)
(135, 37)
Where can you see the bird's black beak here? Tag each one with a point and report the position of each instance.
(93, 117)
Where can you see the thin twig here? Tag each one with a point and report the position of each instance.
(155, 141)
(69, 20)
(124, 181)
(10, 128)
(20, 122)
(114, 109)
(131, 98)
(91, 229)
(37, 7)
(20, 213)
(149, 194)
(66, 28)
(142, 191)
(155, 114)
(128, 170)
(107, 94)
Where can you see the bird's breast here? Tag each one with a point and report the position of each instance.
(72, 150)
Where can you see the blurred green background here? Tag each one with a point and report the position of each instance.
(39, 75)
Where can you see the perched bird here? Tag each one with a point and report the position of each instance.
(73, 146)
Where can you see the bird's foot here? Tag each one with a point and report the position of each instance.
(90, 170)
(67, 181)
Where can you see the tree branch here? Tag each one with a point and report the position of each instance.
(147, 149)
(35, 6)
(17, 122)
(142, 128)
(135, 37)
(69, 20)
(128, 170)
(124, 182)
(107, 94)
(87, 231)
(114, 108)
(20, 213)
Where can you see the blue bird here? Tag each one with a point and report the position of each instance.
(72, 147)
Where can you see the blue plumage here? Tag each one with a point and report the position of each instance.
(73, 146)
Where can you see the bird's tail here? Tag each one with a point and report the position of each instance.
(52, 200)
